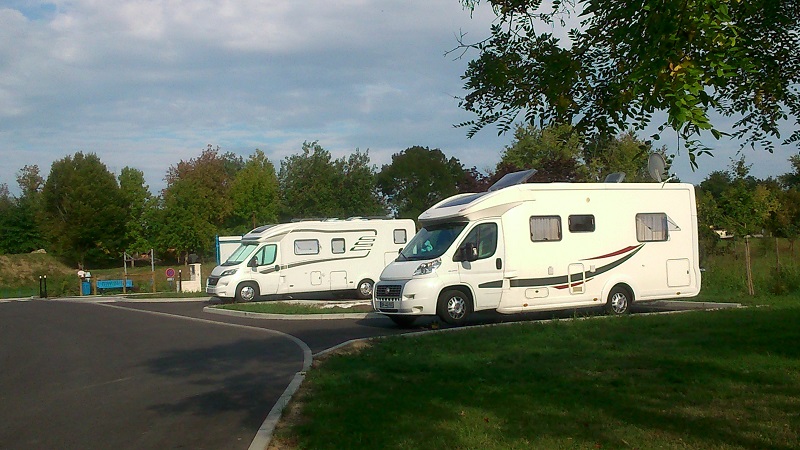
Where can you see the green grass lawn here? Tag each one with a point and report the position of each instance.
(727, 379)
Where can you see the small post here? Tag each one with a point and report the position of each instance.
(125, 283)
(40, 287)
(180, 281)
(45, 286)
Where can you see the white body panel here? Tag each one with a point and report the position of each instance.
(311, 256)
(644, 236)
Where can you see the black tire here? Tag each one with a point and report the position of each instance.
(403, 321)
(454, 307)
(364, 289)
(619, 301)
(247, 292)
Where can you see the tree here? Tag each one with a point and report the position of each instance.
(629, 60)
(83, 209)
(744, 206)
(792, 179)
(19, 224)
(213, 173)
(185, 220)
(308, 183)
(314, 185)
(554, 152)
(359, 192)
(138, 203)
(417, 178)
(255, 194)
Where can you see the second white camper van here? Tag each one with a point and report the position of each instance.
(310, 256)
(545, 246)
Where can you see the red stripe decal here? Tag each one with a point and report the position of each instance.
(618, 252)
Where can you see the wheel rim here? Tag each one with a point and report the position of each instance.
(365, 289)
(247, 293)
(456, 307)
(619, 302)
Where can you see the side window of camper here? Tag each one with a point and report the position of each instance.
(306, 247)
(484, 238)
(337, 246)
(400, 236)
(545, 228)
(652, 227)
(582, 223)
(266, 255)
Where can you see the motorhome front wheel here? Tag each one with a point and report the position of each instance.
(247, 292)
(454, 307)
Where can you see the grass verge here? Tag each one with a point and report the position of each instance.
(723, 379)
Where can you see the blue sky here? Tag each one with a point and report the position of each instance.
(148, 83)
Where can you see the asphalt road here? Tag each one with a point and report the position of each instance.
(88, 376)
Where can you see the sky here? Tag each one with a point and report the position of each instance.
(148, 83)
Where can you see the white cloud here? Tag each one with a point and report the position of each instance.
(146, 83)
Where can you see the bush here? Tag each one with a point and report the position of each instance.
(785, 280)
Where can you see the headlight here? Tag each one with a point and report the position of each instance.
(428, 267)
(228, 272)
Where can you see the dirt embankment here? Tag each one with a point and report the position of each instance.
(25, 270)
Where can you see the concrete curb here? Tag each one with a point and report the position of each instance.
(266, 316)
(684, 305)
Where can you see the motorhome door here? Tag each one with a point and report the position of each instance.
(266, 271)
(483, 271)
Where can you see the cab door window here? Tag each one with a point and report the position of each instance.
(266, 255)
(484, 238)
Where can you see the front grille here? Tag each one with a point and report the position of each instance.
(388, 291)
(212, 281)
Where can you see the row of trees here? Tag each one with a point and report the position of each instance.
(87, 214)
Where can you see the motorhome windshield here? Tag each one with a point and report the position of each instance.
(431, 241)
(240, 254)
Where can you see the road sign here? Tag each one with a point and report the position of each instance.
(170, 273)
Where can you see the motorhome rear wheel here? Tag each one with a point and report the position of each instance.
(454, 307)
(365, 288)
(619, 301)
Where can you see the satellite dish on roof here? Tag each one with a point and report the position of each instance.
(657, 167)
(615, 177)
(510, 179)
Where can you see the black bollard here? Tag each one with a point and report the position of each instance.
(45, 286)
(180, 281)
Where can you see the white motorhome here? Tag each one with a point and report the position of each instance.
(310, 256)
(545, 246)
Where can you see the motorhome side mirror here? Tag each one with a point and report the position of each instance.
(469, 252)
(277, 267)
(252, 263)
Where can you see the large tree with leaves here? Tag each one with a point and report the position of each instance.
(83, 209)
(419, 177)
(626, 61)
(19, 225)
(255, 194)
(313, 184)
(139, 207)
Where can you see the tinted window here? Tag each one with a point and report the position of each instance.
(581, 223)
(484, 238)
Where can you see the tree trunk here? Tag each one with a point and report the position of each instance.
(777, 256)
(750, 289)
